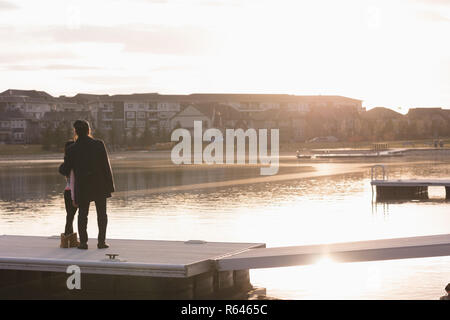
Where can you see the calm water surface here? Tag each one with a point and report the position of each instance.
(306, 203)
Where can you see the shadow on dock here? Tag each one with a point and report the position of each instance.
(30, 285)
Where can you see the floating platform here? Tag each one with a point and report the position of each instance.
(146, 269)
(408, 189)
(373, 250)
(377, 154)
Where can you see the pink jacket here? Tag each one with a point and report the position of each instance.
(71, 184)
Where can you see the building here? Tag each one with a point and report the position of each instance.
(31, 103)
(29, 107)
(69, 106)
(430, 122)
(185, 119)
(263, 102)
(63, 119)
(119, 117)
(15, 128)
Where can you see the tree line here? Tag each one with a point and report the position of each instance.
(54, 138)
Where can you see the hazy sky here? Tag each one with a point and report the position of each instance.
(393, 53)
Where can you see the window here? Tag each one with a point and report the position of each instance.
(131, 115)
(141, 115)
(107, 116)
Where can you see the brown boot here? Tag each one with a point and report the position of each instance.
(64, 241)
(73, 240)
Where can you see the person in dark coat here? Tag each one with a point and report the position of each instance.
(88, 158)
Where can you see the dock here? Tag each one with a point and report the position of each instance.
(373, 250)
(408, 189)
(381, 152)
(35, 267)
(368, 154)
(147, 269)
(400, 189)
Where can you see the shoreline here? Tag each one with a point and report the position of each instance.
(165, 154)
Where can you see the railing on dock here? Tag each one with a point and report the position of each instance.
(373, 172)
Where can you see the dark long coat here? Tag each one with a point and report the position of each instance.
(88, 158)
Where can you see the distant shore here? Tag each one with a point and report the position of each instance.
(37, 153)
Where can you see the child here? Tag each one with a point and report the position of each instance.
(69, 238)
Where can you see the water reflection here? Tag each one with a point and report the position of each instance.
(307, 203)
(25, 183)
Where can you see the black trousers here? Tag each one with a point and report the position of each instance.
(70, 212)
(102, 220)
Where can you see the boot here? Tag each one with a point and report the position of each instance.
(102, 245)
(83, 246)
(64, 241)
(73, 241)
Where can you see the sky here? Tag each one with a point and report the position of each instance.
(392, 53)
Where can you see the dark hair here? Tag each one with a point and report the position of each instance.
(447, 288)
(81, 128)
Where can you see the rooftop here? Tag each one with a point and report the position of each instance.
(382, 113)
(27, 94)
(219, 97)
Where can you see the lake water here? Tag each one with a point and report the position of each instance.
(308, 202)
